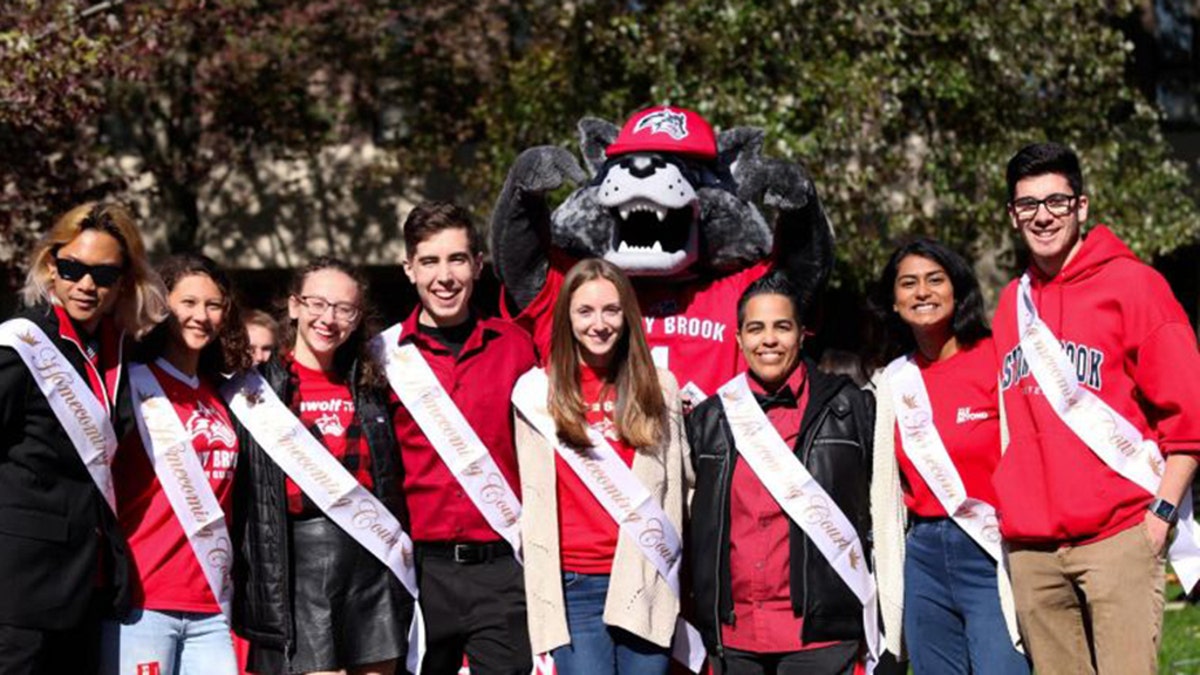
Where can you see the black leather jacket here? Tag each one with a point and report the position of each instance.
(835, 446)
(262, 607)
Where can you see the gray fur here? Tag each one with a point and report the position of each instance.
(594, 136)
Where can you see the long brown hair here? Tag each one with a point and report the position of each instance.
(641, 411)
(357, 348)
(141, 300)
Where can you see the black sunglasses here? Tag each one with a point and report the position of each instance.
(102, 275)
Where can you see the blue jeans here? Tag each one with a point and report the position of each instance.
(597, 649)
(952, 618)
(181, 643)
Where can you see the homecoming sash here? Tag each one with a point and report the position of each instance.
(178, 468)
(79, 412)
(452, 437)
(803, 500)
(623, 496)
(1113, 439)
(923, 445)
(329, 485)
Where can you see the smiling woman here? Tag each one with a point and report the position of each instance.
(179, 620)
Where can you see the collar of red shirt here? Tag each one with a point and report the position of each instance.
(795, 382)
(410, 330)
(108, 361)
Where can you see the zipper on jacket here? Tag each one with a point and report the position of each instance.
(722, 500)
(805, 454)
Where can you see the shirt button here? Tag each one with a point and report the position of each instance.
(759, 565)
(758, 604)
(458, 493)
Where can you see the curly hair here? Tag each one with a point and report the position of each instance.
(357, 348)
(229, 353)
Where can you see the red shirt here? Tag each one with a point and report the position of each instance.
(104, 363)
(587, 533)
(480, 382)
(759, 555)
(690, 326)
(171, 578)
(325, 406)
(962, 392)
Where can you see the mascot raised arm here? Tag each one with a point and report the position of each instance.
(683, 211)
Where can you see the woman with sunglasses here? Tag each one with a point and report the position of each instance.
(309, 598)
(182, 593)
(63, 559)
(937, 442)
(596, 600)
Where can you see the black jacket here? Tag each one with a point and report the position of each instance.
(54, 524)
(262, 607)
(835, 446)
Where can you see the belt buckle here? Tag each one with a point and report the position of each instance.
(463, 554)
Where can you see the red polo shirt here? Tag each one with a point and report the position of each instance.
(759, 555)
(480, 382)
(104, 366)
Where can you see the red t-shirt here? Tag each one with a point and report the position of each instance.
(690, 326)
(480, 381)
(170, 577)
(587, 533)
(962, 391)
(325, 406)
(759, 553)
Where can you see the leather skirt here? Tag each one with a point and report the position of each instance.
(348, 607)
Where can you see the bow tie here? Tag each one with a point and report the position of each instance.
(781, 398)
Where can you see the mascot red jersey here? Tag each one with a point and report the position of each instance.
(681, 210)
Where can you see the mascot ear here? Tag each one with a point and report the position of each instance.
(739, 149)
(594, 136)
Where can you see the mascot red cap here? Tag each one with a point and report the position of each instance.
(666, 129)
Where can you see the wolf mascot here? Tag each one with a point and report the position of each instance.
(677, 208)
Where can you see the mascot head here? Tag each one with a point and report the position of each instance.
(663, 199)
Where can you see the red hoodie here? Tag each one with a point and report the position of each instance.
(1132, 345)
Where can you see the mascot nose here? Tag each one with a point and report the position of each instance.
(642, 166)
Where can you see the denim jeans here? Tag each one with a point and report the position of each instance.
(597, 649)
(952, 618)
(181, 643)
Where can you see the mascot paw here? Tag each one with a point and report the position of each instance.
(546, 168)
(784, 185)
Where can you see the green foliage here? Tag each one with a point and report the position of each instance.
(905, 111)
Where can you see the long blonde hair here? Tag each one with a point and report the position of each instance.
(641, 412)
(141, 299)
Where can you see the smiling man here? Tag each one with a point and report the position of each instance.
(452, 374)
(1100, 379)
(782, 459)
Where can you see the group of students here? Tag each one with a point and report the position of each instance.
(369, 501)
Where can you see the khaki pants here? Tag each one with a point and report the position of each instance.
(1094, 609)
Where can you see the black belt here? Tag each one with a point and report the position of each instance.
(464, 553)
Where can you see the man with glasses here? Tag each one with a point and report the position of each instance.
(452, 374)
(1100, 383)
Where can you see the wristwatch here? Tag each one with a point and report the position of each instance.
(1165, 510)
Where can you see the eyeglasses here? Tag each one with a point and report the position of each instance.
(1057, 205)
(102, 275)
(316, 306)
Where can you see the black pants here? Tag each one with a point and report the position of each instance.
(477, 608)
(30, 651)
(833, 660)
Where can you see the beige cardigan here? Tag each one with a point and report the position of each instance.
(639, 600)
(889, 520)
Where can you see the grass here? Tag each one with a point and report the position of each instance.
(1180, 650)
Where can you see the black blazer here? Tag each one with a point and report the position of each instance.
(54, 525)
